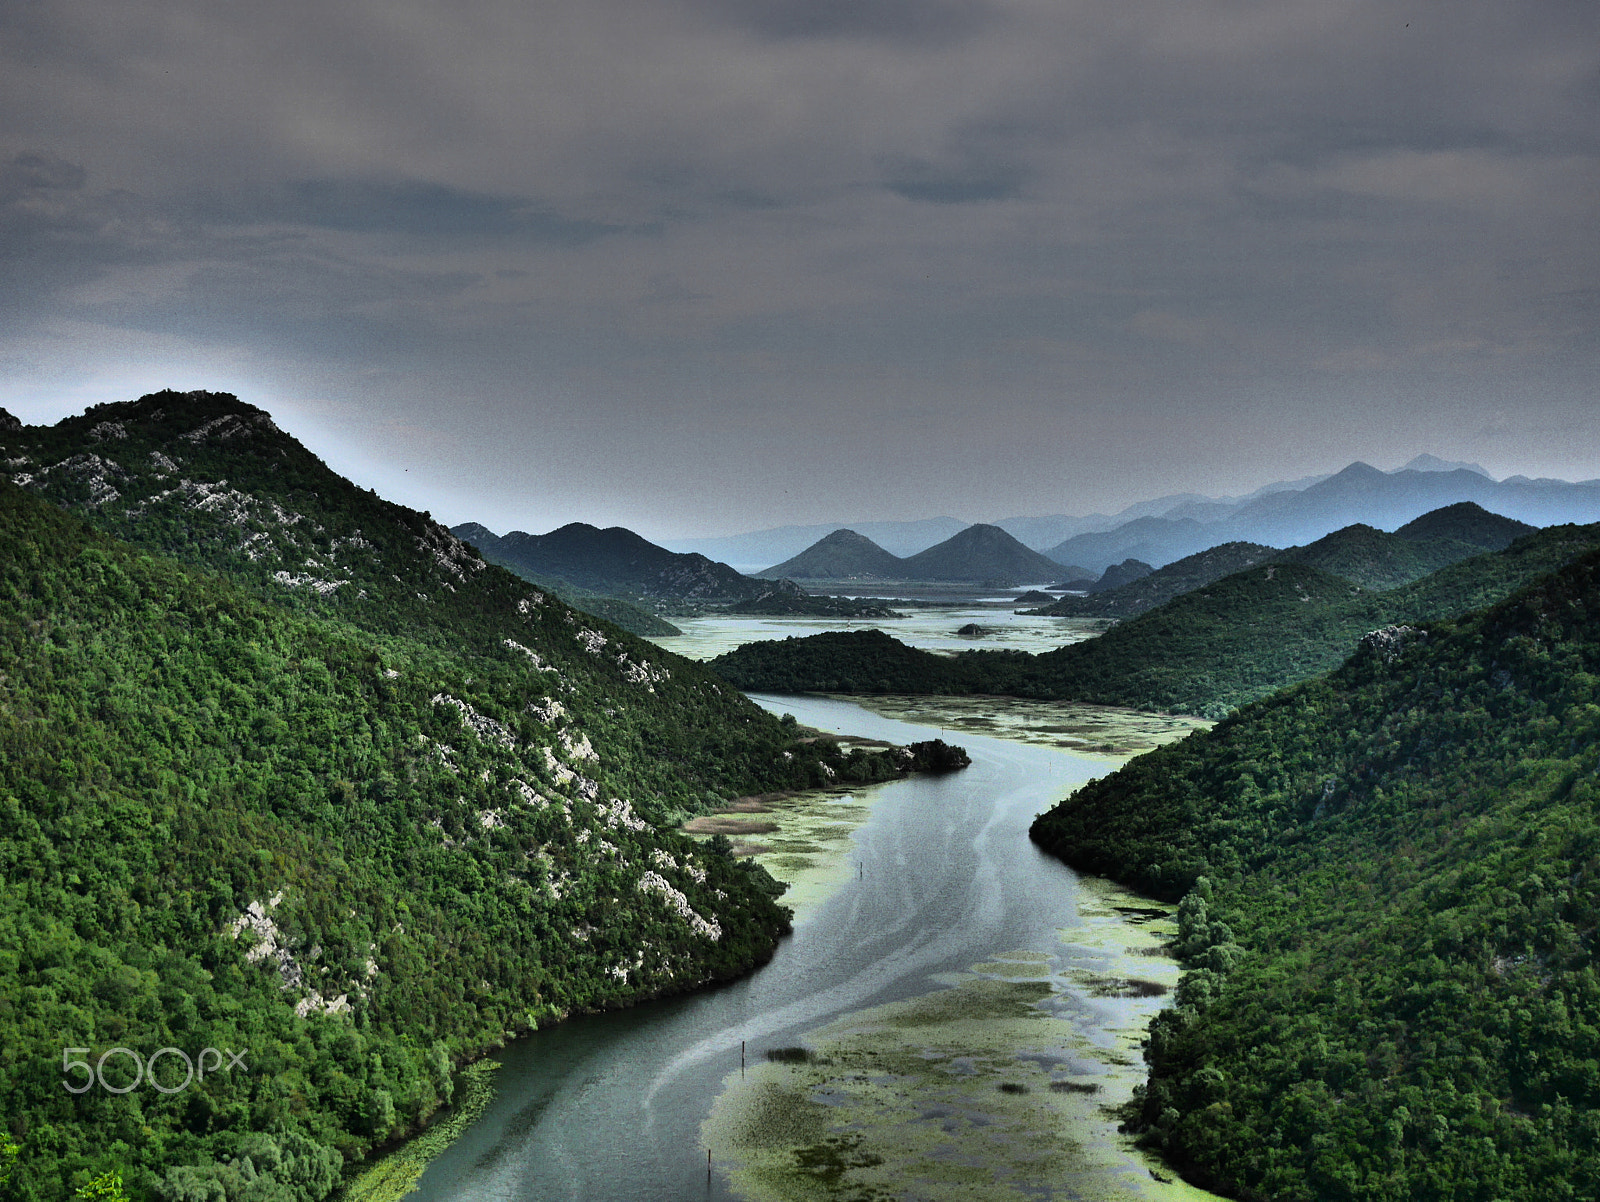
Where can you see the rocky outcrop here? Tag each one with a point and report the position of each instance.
(1388, 642)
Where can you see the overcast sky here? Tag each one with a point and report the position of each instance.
(702, 266)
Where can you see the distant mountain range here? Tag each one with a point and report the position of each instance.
(614, 561)
(978, 553)
(1166, 529)
(1358, 494)
(619, 563)
(1203, 651)
(1358, 553)
(784, 542)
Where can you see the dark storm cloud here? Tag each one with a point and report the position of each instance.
(57, 232)
(33, 177)
(1237, 229)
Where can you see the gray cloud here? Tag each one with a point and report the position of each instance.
(1180, 223)
(412, 208)
(908, 20)
(961, 183)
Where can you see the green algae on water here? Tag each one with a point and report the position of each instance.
(1093, 730)
(805, 838)
(1004, 1085)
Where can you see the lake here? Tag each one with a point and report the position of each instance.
(928, 629)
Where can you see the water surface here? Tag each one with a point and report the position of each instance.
(611, 1106)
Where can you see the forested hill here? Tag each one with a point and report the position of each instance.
(1204, 652)
(345, 799)
(1391, 893)
(613, 562)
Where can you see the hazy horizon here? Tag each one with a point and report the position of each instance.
(700, 268)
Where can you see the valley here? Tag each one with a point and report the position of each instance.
(799, 601)
(291, 768)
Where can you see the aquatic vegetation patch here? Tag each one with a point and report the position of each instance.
(790, 1055)
(1127, 987)
(1098, 730)
(993, 1087)
(718, 825)
(805, 837)
(1074, 1087)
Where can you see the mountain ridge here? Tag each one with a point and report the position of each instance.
(1202, 652)
(1275, 514)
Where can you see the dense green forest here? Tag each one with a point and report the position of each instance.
(1203, 652)
(1390, 884)
(333, 794)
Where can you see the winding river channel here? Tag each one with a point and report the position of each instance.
(990, 987)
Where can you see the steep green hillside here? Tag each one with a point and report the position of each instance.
(1485, 579)
(1391, 893)
(346, 799)
(1211, 649)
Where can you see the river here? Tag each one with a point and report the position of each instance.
(948, 891)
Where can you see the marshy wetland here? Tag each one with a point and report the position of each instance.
(1091, 730)
(1001, 1082)
(710, 635)
(956, 1015)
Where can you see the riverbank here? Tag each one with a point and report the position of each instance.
(955, 905)
(395, 1173)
